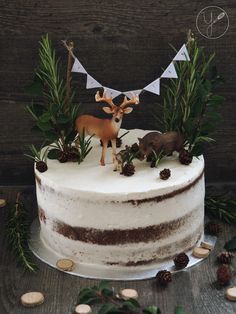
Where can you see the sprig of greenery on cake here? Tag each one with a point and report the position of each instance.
(54, 119)
(190, 102)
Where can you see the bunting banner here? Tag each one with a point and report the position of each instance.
(77, 67)
(182, 54)
(153, 87)
(170, 72)
(91, 82)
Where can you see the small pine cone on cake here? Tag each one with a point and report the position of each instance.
(165, 174)
(185, 157)
(41, 166)
(163, 277)
(181, 260)
(128, 169)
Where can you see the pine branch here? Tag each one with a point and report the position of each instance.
(221, 207)
(110, 303)
(18, 233)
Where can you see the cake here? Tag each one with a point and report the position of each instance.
(97, 217)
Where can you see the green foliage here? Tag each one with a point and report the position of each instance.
(37, 155)
(55, 119)
(231, 244)
(190, 104)
(222, 207)
(110, 303)
(18, 233)
(83, 146)
(156, 158)
(179, 310)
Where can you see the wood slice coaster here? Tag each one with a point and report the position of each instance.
(65, 264)
(231, 294)
(32, 299)
(207, 246)
(200, 252)
(2, 202)
(127, 294)
(83, 309)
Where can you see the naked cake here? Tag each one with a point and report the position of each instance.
(97, 217)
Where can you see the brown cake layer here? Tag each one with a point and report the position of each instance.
(120, 236)
(163, 197)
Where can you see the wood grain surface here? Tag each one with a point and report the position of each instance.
(124, 45)
(194, 289)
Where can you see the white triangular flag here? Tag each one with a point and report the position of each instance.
(132, 93)
(170, 71)
(91, 82)
(113, 93)
(153, 87)
(77, 67)
(182, 54)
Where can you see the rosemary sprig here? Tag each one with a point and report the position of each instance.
(83, 146)
(110, 303)
(18, 234)
(190, 103)
(37, 155)
(222, 207)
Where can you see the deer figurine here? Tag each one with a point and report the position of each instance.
(106, 129)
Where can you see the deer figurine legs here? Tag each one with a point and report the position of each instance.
(104, 150)
(113, 144)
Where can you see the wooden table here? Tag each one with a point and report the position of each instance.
(194, 289)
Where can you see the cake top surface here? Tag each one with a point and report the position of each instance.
(89, 178)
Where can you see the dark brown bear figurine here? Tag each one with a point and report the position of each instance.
(166, 143)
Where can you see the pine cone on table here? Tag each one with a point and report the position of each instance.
(224, 275)
(185, 157)
(181, 260)
(41, 166)
(163, 277)
(225, 257)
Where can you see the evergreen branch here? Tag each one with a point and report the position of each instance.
(111, 303)
(18, 233)
(221, 207)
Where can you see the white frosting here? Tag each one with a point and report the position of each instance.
(90, 195)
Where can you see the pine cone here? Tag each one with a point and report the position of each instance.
(185, 157)
(128, 170)
(165, 174)
(41, 166)
(63, 157)
(181, 260)
(224, 275)
(212, 228)
(225, 257)
(163, 277)
(73, 155)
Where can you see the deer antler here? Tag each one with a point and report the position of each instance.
(108, 100)
(133, 101)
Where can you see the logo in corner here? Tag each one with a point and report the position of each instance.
(212, 22)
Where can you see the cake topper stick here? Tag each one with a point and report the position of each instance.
(106, 129)
(70, 48)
